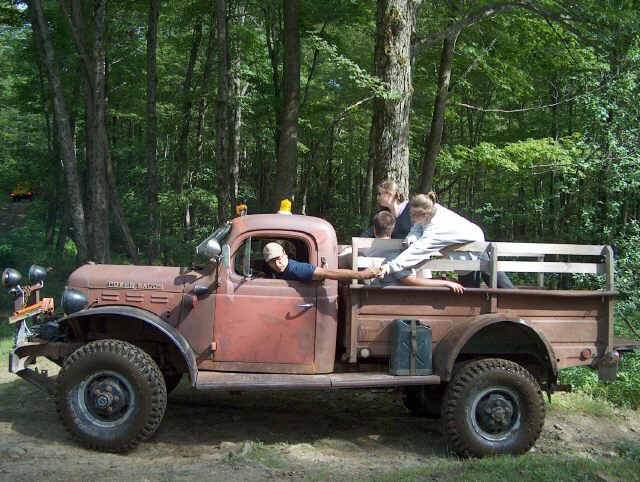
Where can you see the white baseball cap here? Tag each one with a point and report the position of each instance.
(272, 250)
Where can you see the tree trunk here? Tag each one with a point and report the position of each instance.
(238, 92)
(65, 139)
(437, 122)
(152, 133)
(181, 152)
(204, 92)
(367, 197)
(52, 156)
(272, 35)
(97, 189)
(222, 113)
(288, 145)
(94, 69)
(389, 141)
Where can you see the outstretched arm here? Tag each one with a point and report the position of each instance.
(344, 274)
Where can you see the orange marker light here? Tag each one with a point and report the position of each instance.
(241, 209)
(285, 207)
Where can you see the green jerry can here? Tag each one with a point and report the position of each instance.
(410, 348)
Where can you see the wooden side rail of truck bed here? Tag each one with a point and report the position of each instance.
(535, 254)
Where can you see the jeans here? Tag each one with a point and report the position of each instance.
(473, 279)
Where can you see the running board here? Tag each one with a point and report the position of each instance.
(268, 381)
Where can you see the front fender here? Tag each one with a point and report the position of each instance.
(147, 317)
(449, 348)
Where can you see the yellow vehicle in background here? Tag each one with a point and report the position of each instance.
(21, 191)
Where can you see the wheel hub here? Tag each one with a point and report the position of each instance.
(107, 398)
(495, 413)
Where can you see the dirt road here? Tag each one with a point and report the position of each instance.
(303, 435)
(12, 214)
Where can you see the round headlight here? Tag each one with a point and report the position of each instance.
(10, 278)
(73, 300)
(37, 274)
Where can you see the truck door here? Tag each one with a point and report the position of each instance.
(262, 320)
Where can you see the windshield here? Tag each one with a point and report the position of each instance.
(220, 234)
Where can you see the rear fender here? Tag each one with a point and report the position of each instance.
(148, 318)
(493, 335)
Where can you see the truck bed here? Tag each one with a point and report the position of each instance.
(575, 325)
(570, 320)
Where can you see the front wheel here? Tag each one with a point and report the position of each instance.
(492, 407)
(110, 395)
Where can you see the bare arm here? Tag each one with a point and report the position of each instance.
(344, 274)
(415, 281)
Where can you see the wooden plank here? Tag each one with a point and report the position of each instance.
(364, 243)
(505, 248)
(441, 264)
(493, 277)
(550, 267)
(514, 249)
(608, 260)
(354, 258)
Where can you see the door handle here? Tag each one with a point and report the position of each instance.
(305, 305)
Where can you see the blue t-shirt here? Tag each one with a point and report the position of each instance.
(297, 271)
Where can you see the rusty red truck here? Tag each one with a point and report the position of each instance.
(130, 333)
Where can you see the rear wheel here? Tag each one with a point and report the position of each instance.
(110, 395)
(492, 407)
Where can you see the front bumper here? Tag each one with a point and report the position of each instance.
(22, 361)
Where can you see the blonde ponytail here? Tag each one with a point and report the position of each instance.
(424, 204)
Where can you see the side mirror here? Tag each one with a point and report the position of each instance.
(226, 256)
(212, 248)
(37, 274)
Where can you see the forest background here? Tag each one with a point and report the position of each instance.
(142, 124)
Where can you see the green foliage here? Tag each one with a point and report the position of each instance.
(355, 73)
(628, 449)
(625, 391)
(526, 467)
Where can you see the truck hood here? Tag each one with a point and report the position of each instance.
(108, 276)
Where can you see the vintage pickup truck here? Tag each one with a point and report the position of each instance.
(129, 333)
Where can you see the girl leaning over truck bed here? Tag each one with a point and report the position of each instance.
(435, 228)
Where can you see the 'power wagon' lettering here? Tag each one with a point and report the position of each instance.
(133, 285)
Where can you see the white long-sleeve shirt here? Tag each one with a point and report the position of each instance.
(444, 229)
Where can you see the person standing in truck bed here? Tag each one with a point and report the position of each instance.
(395, 202)
(292, 270)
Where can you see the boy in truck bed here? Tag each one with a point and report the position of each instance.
(383, 225)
